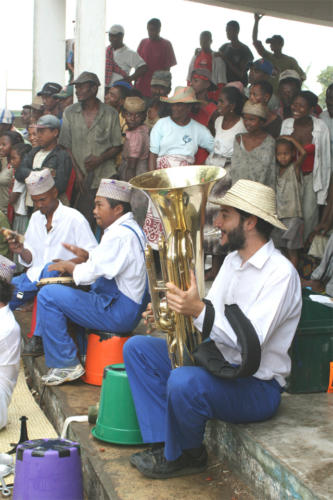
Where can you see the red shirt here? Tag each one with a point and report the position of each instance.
(204, 60)
(158, 55)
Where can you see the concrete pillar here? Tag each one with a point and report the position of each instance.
(49, 56)
(90, 39)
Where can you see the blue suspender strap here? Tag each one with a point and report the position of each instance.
(136, 234)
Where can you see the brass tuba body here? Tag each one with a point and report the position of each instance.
(180, 195)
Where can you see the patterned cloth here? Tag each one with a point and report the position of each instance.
(153, 227)
(111, 66)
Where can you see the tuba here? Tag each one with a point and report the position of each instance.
(179, 195)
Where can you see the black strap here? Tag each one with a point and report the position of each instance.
(210, 357)
(208, 319)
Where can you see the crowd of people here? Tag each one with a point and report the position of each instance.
(64, 186)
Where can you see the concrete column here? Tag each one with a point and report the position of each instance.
(90, 39)
(49, 56)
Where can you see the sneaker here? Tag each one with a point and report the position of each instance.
(58, 376)
(155, 466)
(34, 347)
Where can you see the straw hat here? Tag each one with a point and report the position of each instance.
(134, 105)
(181, 94)
(253, 198)
(255, 109)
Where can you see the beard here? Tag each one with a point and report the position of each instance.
(236, 239)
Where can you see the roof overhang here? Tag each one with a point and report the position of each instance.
(307, 11)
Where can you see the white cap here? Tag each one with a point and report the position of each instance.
(115, 29)
(289, 73)
(7, 269)
(39, 181)
(116, 190)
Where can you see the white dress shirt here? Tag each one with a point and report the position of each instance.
(68, 226)
(267, 289)
(118, 256)
(10, 350)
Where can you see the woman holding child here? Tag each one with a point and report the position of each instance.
(312, 133)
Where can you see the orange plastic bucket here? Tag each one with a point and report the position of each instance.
(101, 353)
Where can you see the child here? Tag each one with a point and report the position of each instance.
(10, 340)
(136, 151)
(48, 155)
(288, 197)
(18, 195)
(7, 141)
(32, 135)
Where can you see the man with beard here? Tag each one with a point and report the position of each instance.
(173, 406)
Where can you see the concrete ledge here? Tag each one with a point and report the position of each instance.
(287, 457)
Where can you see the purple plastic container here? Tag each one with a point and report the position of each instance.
(48, 469)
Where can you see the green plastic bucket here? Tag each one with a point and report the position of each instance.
(117, 422)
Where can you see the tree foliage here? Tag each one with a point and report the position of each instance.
(325, 78)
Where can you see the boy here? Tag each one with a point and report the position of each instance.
(48, 155)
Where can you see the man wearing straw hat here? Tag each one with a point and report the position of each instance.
(10, 340)
(173, 406)
(116, 273)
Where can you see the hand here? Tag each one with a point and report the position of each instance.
(322, 228)
(128, 79)
(83, 255)
(185, 302)
(14, 240)
(62, 266)
(148, 317)
(258, 16)
(92, 162)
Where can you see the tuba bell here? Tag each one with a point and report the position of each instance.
(179, 195)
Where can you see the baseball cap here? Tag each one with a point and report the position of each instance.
(65, 92)
(289, 73)
(49, 89)
(48, 121)
(275, 38)
(87, 77)
(115, 29)
(7, 116)
(37, 103)
(162, 78)
(263, 65)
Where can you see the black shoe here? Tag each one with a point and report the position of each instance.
(34, 347)
(155, 466)
(140, 456)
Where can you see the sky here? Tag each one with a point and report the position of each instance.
(182, 23)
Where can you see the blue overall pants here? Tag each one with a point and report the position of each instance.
(26, 290)
(173, 406)
(104, 307)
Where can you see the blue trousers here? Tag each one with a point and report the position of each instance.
(27, 289)
(173, 406)
(56, 303)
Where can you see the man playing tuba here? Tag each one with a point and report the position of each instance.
(173, 406)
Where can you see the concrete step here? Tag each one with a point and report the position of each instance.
(288, 457)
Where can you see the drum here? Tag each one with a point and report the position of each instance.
(57, 280)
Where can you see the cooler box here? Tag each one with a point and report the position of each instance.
(312, 349)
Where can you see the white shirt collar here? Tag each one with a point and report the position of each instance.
(258, 259)
(121, 220)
